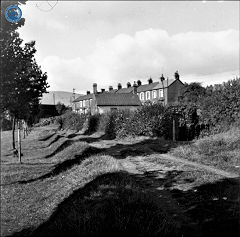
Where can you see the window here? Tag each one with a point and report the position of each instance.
(81, 103)
(84, 103)
(142, 96)
(148, 95)
(160, 92)
(154, 94)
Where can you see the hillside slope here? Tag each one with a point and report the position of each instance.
(59, 96)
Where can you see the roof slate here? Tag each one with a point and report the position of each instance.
(125, 90)
(166, 83)
(142, 88)
(147, 87)
(84, 97)
(115, 99)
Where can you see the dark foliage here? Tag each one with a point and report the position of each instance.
(71, 120)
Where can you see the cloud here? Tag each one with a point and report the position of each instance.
(147, 53)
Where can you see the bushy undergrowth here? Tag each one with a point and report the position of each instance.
(149, 120)
(221, 150)
(222, 107)
(71, 121)
(216, 112)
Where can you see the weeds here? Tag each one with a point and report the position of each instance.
(221, 150)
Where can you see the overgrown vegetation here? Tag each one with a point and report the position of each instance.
(221, 150)
(201, 111)
(71, 120)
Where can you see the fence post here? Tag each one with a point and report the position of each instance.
(19, 143)
(174, 130)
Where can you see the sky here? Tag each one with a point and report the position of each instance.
(106, 42)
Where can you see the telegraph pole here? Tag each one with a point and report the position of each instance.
(53, 98)
(162, 78)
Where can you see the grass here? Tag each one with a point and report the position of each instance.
(32, 190)
(111, 205)
(67, 187)
(221, 150)
(27, 205)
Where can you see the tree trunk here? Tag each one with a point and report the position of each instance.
(19, 143)
(13, 133)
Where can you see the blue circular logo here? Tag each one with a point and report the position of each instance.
(13, 13)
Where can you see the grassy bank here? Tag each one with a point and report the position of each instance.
(221, 150)
(32, 190)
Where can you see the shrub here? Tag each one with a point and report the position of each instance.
(71, 120)
(6, 124)
(92, 123)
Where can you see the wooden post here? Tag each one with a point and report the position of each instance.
(13, 133)
(174, 130)
(19, 143)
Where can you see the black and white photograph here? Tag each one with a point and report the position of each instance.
(120, 118)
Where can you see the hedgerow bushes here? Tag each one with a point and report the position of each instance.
(221, 108)
(217, 110)
(149, 120)
(71, 121)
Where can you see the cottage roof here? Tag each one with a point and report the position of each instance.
(166, 83)
(114, 99)
(125, 90)
(84, 97)
(112, 91)
(147, 87)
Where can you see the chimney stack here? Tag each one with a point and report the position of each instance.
(73, 95)
(119, 86)
(103, 90)
(150, 80)
(139, 83)
(162, 78)
(94, 88)
(88, 92)
(176, 75)
(135, 86)
(110, 88)
(128, 84)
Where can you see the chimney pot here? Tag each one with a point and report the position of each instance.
(88, 92)
(119, 86)
(176, 75)
(103, 90)
(150, 80)
(128, 84)
(110, 88)
(139, 83)
(94, 88)
(135, 86)
(162, 78)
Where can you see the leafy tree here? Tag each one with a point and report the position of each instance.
(61, 108)
(222, 107)
(22, 81)
(8, 35)
(192, 93)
